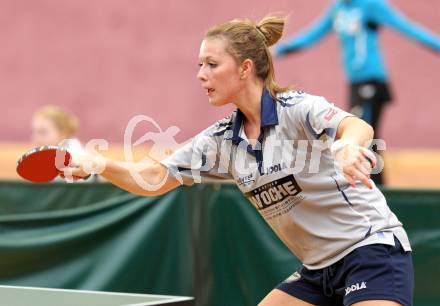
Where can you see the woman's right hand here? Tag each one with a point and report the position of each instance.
(82, 166)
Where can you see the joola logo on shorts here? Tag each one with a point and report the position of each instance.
(273, 192)
(356, 287)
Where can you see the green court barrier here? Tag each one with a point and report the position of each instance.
(205, 241)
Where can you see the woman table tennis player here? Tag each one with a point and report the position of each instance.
(333, 218)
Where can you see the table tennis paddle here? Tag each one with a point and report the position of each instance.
(43, 164)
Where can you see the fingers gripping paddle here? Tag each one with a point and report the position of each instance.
(42, 164)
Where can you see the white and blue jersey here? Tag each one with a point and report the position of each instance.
(290, 178)
(356, 22)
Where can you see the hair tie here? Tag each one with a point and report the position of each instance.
(261, 32)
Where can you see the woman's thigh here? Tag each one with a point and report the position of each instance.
(280, 298)
(377, 303)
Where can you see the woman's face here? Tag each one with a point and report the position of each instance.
(44, 132)
(219, 73)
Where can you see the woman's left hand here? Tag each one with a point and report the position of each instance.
(356, 162)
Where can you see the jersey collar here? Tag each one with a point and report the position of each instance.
(268, 115)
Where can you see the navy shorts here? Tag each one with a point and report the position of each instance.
(371, 272)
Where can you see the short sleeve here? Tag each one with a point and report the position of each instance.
(321, 117)
(198, 160)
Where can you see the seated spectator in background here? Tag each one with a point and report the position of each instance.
(53, 126)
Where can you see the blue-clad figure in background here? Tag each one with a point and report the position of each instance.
(357, 24)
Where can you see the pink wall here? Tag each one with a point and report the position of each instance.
(108, 60)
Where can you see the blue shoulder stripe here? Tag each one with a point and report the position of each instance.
(331, 132)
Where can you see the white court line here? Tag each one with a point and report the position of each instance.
(173, 297)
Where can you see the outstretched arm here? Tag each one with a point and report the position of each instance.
(196, 161)
(309, 37)
(138, 178)
(382, 12)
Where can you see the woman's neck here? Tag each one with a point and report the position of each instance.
(249, 103)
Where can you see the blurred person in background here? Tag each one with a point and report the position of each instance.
(357, 24)
(52, 126)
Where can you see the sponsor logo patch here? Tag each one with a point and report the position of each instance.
(246, 180)
(273, 192)
(276, 198)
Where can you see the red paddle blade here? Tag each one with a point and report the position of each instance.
(42, 164)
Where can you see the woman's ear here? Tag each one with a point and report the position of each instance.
(246, 69)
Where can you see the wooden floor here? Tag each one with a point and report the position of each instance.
(403, 168)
